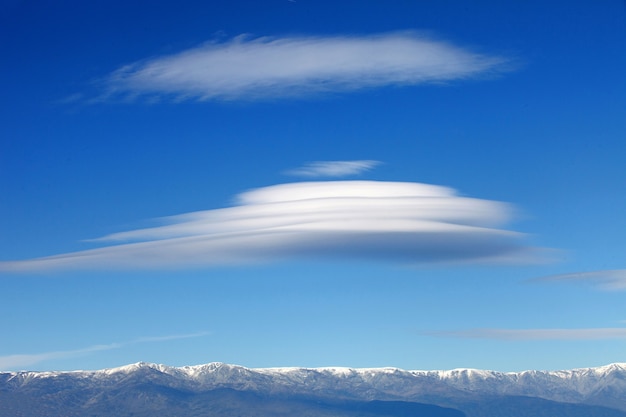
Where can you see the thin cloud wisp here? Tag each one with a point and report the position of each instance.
(610, 280)
(333, 168)
(24, 360)
(600, 333)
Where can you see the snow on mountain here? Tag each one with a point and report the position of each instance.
(601, 386)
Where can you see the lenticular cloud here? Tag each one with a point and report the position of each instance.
(253, 68)
(410, 223)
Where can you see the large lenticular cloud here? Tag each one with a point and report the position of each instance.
(409, 223)
(253, 68)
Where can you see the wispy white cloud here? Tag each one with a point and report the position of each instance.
(19, 361)
(333, 168)
(367, 220)
(536, 334)
(612, 280)
(252, 68)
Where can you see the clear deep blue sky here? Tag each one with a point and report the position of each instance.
(110, 121)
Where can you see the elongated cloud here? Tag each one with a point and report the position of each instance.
(252, 68)
(537, 334)
(611, 280)
(365, 220)
(18, 361)
(333, 168)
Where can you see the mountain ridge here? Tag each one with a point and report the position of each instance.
(620, 366)
(597, 391)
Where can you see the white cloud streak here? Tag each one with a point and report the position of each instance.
(536, 334)
(410, 223)
(18, 361)
(333, 168)
(610, 280)
(252, 68)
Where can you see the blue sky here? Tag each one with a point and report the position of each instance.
(426, 185)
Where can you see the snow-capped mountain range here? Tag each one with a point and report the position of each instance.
(597, 391)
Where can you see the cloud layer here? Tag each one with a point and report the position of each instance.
(252, 68)
(366, 220)
(537, 334)
(333, 168)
